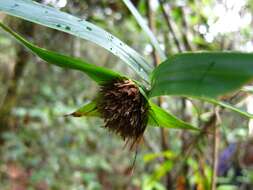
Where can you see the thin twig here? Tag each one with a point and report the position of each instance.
(151, 24)
(192, 144)
(156, 60)
(216, 141)
(167, 19)
(187, 45)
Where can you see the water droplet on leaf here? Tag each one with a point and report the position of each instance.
(89, 28)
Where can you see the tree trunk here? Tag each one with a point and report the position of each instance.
(7, 122)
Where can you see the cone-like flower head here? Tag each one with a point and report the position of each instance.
(124, 109)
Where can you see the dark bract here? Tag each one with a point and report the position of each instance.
(124, 109)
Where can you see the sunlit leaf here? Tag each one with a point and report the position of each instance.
(202, 74)
(152, 156)
(54, 18)
(160, 117)
(98, 74)
(227, 187)
(147, 185)
(145, 28)
(161, 171)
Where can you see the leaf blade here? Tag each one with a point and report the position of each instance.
(89, 110)
(56, 19)
(202, 74)
(145, 28)
(230, 107)
(98, 74)
(165, 119)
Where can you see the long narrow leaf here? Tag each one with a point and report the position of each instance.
(89, 109)
(145, 27)
(228, 106)
(162, 118)
(203, 74)
(53, 18)
(99, 74)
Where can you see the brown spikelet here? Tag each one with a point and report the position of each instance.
(124, 109)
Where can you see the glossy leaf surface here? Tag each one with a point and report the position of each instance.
(98, 74)
(202, 74)
(54, 18)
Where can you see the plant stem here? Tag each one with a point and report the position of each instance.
(167, 19)
(192, 143)
(187, 45)
(7, 122)
(216, 140)
(156, 61)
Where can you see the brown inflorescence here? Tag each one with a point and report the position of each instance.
(124, 109)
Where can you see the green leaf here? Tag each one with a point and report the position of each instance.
(54, 18)
(98, 74)
(161, 171)
(227, 187)
(145, 28)
(202, 74)
(162, 118)
(89, 109)
(152, 156)
(228, 106)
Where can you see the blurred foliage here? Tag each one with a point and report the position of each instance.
(45, 150)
